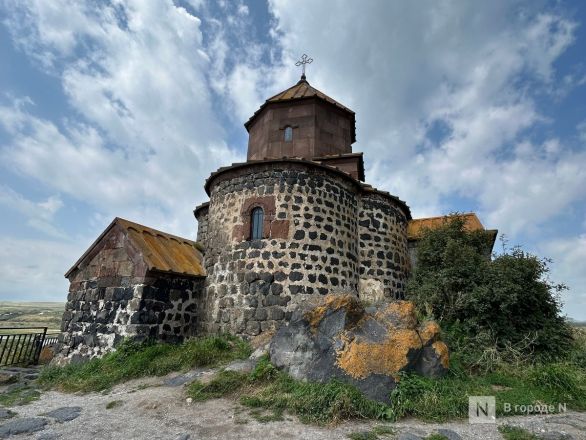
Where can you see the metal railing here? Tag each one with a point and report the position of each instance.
(23, 345)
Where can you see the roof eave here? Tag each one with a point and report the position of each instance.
(268, 102)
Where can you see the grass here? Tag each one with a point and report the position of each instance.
(114, 404)
(275, 415)
(438, 400)
(19, 396)
(516, 433)
(373, 434)
(434, 400)
(363, 435)
(133, 360)
(272, 390)
(384, 430)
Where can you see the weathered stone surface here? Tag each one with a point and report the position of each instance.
(48, 436)
(339, 339)
(22, 426)
(243, 366)
(449, 434)
(7, 377)
(555, 435)
(182, 379)
(65, 413)
(6, 413)
(321, 251)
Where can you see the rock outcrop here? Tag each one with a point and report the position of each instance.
(364, 347)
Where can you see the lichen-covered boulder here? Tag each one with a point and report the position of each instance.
(341, 339)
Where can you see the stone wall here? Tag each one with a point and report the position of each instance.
(169, 307)
(114, 297)
(201, 215)
(309, 246)
(384, 255)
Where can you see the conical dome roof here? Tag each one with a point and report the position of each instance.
(299, 91)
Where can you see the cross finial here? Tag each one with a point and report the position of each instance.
(302, 62)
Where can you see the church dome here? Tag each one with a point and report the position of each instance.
(300, 121)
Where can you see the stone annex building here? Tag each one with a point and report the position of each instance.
(296, 221)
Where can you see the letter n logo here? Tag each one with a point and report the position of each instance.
(481, 409)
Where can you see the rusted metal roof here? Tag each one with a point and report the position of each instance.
(165, 252)
(303, 90)
(417, 226)
(161, 252)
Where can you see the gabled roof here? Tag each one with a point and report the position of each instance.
(301, 90)
(416, 226)
(161, 252)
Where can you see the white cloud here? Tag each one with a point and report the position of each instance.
(135, 72)
(39, 215)
(405, 68)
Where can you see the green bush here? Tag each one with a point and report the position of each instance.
(507, 303)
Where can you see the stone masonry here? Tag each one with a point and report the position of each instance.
(315, 242)
(116, 293)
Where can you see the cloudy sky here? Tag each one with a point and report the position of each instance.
(123, 108)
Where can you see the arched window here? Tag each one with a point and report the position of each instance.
(288, 134)
(256, 223)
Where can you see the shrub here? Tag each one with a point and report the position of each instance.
(506, 302)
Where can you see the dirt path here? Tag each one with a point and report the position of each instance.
(156, 408)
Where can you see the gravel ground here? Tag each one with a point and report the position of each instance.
(156, 408)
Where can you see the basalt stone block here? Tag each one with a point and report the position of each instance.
(295, 276)
(273, 300)
(252, 328)
(251, 277)
(276, 314)
(23, 426)
(299, 235)
(340, 339)
(295, 289)
(267, 277)
(260, 314)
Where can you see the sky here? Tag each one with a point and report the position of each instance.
(123, 108)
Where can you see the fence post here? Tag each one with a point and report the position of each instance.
(40, 346)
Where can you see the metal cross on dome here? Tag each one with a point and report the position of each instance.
(302, 62)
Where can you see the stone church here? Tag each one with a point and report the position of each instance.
(296, 221)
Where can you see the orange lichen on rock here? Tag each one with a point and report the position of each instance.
(429, 331)
(399, 314)
(331, 303)
(361, 359)
(442, 351)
